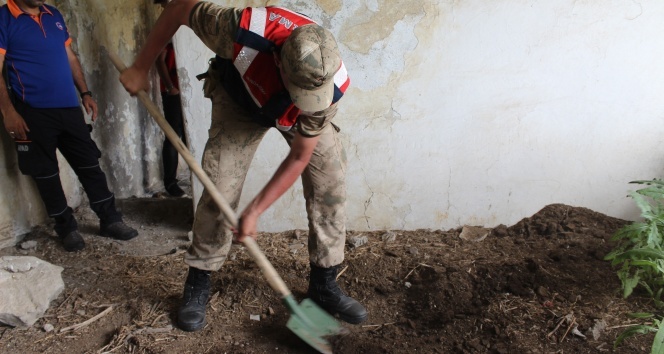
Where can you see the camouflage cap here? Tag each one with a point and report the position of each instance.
(310, 58)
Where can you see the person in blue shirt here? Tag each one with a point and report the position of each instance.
(41, 111)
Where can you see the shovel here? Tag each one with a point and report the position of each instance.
(307, 321)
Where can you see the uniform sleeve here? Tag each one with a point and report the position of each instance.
(67, 37)
(312, 124)
(216, 26)
(61, 20)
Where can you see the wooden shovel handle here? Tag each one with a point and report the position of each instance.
(266, 267)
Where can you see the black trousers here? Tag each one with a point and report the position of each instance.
(169, 155)
(63, 129)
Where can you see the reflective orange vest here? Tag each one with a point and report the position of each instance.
(262, 31)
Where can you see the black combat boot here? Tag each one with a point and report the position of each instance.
(73, 241)
(191, 315)
(117, 230)
(324, 290)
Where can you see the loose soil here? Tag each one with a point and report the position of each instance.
(539, 286)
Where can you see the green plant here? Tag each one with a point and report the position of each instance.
(656, 326)
(640, 248)
(640, 254)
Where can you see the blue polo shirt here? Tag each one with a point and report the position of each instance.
(35, 49)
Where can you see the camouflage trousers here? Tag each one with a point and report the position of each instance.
(232, 143)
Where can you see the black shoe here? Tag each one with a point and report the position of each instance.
(324, 290)
(118, 230)
(174, 190)
(73, 241)
(191, 315)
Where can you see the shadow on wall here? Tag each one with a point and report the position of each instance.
(20, 205)
(129, 139)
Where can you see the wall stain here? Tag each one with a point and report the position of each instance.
(330, 6)
(378, 25)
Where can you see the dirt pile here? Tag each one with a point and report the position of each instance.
(539, 286)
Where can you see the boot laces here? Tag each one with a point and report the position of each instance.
(197, 285)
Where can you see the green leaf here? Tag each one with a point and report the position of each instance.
(629, 283)
(641, 315)
(650, 264)
(658, 342)
(654, 238)
(653, 181)
(654, 192)
(642, 203)
(640, 253)
(632, 232)
(611, 255)
(646, 286)
(631, 331)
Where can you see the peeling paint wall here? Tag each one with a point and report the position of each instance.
(479, 112)
(459, 112)
(130, 142)
(20, 207)
(129, 139)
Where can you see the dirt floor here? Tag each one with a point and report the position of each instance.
(539, 286)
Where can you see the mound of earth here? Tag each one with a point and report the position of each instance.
(539, 286)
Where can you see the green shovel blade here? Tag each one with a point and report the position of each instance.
(311, 323)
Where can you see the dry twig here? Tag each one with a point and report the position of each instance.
(568, 328)
(379, 325)
(342, 272)
(43, 339)
(83, 324)
(417, 266)
(156, 319)
(67, 299)
(555, 329)
(626, 325)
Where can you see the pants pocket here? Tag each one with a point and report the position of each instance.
(31, 161)
(96, 151)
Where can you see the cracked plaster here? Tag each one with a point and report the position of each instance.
(458, 111)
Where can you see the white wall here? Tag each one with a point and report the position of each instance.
(480, 112)
(459, 112)
(130, 142)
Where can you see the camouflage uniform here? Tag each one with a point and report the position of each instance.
(233, 139)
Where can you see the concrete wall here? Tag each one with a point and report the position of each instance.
(459, 112)
(130, 142)
(480, 112)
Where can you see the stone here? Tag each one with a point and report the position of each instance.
(474, 233)
(500, 231)
(389, 236)
(27, 287)
(48, 327)
(358, 241)
(296, 246)
(598, 329)
(29, 245)
(297, 234)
